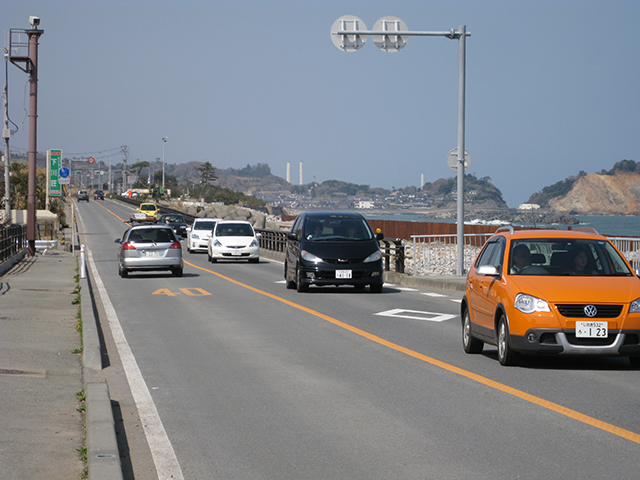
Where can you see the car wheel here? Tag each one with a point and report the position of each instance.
(177, 272)
(635, 362)
(209, 256)
(506, 356)
(290, 284)
(470, 344)
(300, 287)
(254, 260)
(123, 273)
(375, 288)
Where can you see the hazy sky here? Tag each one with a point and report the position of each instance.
(552, 87)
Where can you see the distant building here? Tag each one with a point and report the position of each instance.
(529, 206)
(364, 204)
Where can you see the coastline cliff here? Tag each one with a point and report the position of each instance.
(595, 194)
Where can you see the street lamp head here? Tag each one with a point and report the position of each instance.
(34, 21)
(164, 139)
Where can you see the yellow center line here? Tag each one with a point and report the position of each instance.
(607, 427)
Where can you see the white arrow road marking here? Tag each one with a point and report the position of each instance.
(417, 315)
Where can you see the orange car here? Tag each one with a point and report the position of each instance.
(550, 292)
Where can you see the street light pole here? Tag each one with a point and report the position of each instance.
(391, 37)
(109, 184)
(164, 142)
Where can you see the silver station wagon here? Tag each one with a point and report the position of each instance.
(148, 248)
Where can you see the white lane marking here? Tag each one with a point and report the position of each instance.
(280, 281)
(416, 315)
(456, 300)
(164, 457)
(433, 294)
(407, 289)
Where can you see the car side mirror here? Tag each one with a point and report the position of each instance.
(118, 240)
(487, 270)
(258, 235)
(379, 236)
(292, 236)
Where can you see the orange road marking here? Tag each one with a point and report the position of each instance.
(607, 427)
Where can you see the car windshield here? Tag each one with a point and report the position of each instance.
(337, 228)
(204, 225)
(172, 218)
(147, 207)
(152, 235)
(565, 256)
(234, 230)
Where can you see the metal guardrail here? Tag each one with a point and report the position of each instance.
(12, 240)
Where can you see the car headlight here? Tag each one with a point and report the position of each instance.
(374, 257)
(254, 243)
(309, 257)
(635, 306)
(529, 304)
(217, 244)
(194, 236)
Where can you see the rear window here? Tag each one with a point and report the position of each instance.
(152, 235)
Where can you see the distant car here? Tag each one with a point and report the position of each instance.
(98, 195)
(148, 248)
(151, 209)
(233, 240)
(551, 292)
(175, 221)
(198, 234)
(333, 248)
(83, 195)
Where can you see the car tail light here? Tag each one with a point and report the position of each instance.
(128, 246)
(176, 246)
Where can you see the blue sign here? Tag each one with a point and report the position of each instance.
(64, 172)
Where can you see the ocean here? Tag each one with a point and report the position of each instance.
(610, 225)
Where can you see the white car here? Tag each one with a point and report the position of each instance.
(198, 234)
(234, 240)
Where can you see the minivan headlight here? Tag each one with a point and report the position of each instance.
(374, 257)
(309, 257)
(529, 304)
(635, 306)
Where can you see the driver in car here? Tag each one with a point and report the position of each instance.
(521, 258)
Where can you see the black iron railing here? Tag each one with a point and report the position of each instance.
(12, 240)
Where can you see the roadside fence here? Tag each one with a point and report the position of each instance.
(437, 254)
(13, 239)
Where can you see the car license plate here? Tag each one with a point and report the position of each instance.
(343, 273)
(592, 329)
(151, 253)
(236, 253)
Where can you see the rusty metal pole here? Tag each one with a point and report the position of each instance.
(34, 35)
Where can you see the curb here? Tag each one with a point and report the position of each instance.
(103, 457)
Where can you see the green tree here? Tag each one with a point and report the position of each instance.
(207, 174)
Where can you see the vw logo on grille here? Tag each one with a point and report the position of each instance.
(590, 311)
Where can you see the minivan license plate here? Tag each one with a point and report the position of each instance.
(343, 273)
(592, 329)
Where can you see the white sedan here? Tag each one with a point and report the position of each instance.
(198, 234)
(234, 240)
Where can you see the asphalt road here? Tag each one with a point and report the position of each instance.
(249, 380)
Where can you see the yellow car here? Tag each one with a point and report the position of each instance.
(150, 209)
(551, 292)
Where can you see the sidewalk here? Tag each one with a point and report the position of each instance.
(41, 429)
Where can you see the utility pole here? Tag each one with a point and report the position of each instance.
(6, 134)
(31, 67)
(124, 169)
(164, 142)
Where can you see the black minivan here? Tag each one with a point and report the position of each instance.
(333, 248)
